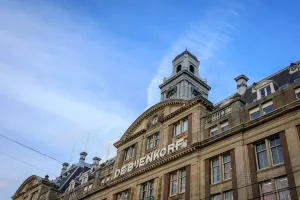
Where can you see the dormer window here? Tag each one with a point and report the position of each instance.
(265, 91)
(297, 92)
(192, 69)
(178, 68)
(84, 178)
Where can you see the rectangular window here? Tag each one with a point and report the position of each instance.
(275, 189)
(268, 152)
(215, 170)
(266, 191)
(173, 183)
(182, 179)
(122, 195)
(224, 126)
(276, 151)
(254, 113)
(228, 195)
(147, 190)
(297, 92)
(185, 125)
(265, 91)
(221, 168)
(152, 141)
(181, 127)
(227, 166)
(282, 187)
(216, 197)
(129, 152)
(261, 155)
(177, 182)
(213, 131)
(267, 107)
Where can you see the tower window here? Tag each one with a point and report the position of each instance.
(178, 69)
(192, 69)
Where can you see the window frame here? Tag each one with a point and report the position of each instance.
(178, 182)
(269, 153)
(221, 168)
(224, 124)
(155, 140)
(148, 185)
(181, 123)
(275, 190)
(131, 150)
(213, 131)
(121, 195)
(260, 109)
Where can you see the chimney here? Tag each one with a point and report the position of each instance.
(241, 81)
(64, 168)
(96, 161)
(82, 157)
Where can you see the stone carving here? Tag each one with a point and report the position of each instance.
(217, 115)
(294, 67)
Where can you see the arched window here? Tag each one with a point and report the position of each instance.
(192, 69)
(178, 68)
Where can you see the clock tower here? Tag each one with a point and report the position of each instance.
(185, 82)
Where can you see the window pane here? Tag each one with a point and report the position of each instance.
(298, 95)
(216, 197)
(182, 180)
(132, 151)
(156, 139)
(215, 170)
(177, 129)
(262, 160)
(282, 188)
(224, 128)
(268, 109)
(228, 195)
(150, 142)
(185, 125)
(214, 133)
(268, 90)
(255, 115)
(262, 92)
(266, 190)
(277, 156)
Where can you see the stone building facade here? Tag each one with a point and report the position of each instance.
(185, 147)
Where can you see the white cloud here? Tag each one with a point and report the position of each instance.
(54, 89)
(205, 39)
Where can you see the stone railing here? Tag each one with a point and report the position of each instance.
(218, 114)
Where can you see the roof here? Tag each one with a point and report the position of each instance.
(281, 77)
(186, 52)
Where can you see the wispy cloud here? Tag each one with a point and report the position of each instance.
(55, 88)
(205, 38)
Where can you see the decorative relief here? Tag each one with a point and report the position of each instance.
(155, 119)
(294, 67)
(217, 115)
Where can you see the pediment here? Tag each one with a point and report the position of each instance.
(150, 118)
(262, 84)
(28, 184)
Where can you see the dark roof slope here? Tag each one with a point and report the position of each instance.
(186, 52)
(281, 78)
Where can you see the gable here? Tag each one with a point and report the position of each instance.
(146, 119)
(27, 185)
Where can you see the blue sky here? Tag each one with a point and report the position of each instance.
(69, 68)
